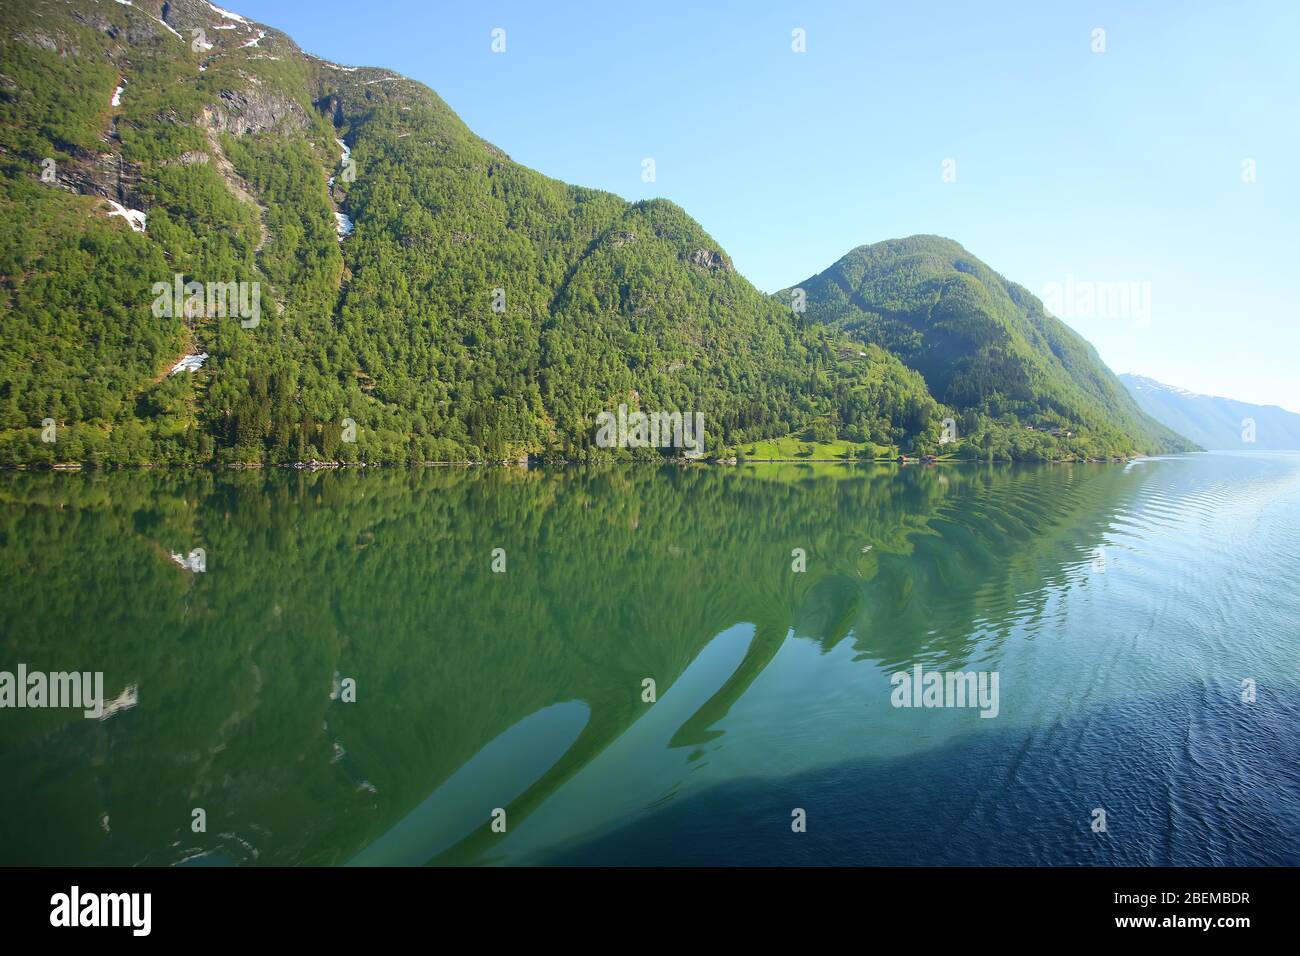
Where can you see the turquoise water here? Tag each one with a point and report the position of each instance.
(1124, 609)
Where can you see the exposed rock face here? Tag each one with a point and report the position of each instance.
(252, 111)
(139, 30)
(103, 174)
(49, 43)
(333, 106)
(184, 15)
(708, 259)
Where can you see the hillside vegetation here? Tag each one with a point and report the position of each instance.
(418, 295)
(1023, 384)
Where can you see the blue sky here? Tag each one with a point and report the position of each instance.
(1072, 166)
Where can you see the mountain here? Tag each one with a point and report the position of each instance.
(1216, 423)
(416, 289)
(986, 347)
(215, 247)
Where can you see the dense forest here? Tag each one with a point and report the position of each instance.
(420, 296)
(1023, 383)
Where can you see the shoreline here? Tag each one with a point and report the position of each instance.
(529, 464)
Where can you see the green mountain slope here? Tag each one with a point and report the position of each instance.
(376, 283)
(986, 347)
(434, 301)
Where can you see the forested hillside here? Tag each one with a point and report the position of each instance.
(415, 294)
(460, 307)
(1025, 384)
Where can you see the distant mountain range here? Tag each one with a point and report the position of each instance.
(1213, 422)
(374, 282)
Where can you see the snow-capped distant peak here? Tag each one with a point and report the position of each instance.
(1143, 383)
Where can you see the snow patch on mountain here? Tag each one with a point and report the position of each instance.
(190, 363)
(134, 217)
(1142, 383)
(128, 3)
(227, 14)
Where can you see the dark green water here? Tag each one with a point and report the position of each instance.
(1120, 606)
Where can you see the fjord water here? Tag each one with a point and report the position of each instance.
(1122, 607)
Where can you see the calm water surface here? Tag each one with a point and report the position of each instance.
(1121, 606)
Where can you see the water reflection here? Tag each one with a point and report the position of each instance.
(474, 689)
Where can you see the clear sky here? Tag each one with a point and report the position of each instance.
(1071, 166)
